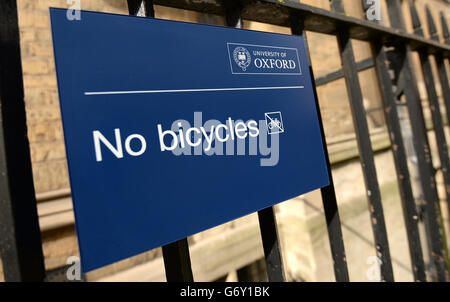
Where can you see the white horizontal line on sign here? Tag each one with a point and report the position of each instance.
(191, 90)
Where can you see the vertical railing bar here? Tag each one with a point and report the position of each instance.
(266, 217)
(365, 149)
(433, 98)
(20, 237)
(400, 160)
(433, 101)
(437, 121)
(328, 193)
(445, 30)
(271, 245)
(443, 77)
(177, 261)
(401, 164)
(421, 145)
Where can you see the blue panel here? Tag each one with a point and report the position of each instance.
(236, 106)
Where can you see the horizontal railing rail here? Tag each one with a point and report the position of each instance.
(315, 19)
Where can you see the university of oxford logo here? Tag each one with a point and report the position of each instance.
(242, 57)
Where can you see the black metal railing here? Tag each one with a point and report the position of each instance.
(392, 50)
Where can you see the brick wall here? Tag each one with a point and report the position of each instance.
(41, 95)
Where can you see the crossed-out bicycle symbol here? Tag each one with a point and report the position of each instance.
(275, 123)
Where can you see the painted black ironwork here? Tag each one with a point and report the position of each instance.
(407, 81)
(410, 214)
(440, 62)
(328, 193)
(438, 125)
(365, 148)
(20, 238)
(177, 262)
(319, 20)
(432, 95)
(445, 31)
(271, 245)
(400, 160)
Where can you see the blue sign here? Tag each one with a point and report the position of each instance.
(172, 128)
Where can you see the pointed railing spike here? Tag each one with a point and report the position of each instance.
(417, 25)
(431, 25)
(445, 30)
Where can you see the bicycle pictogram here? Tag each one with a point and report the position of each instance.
(274, 122)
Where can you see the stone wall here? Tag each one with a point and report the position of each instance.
(41, 95)
(310, 258)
